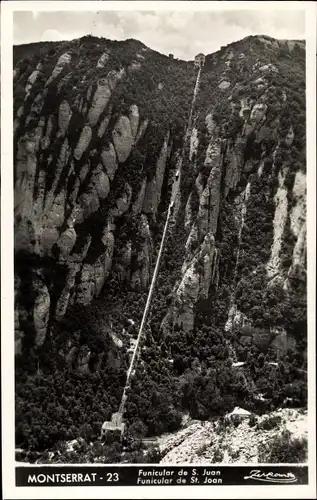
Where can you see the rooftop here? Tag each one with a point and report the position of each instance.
(238, 363)
(240, 411)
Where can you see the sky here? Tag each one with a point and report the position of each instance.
(183, 33)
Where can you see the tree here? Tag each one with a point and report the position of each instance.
(284, 449)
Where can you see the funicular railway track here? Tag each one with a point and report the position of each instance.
(116, 423)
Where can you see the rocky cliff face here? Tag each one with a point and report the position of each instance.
(69, 144)
(247, 150)
(99, 134)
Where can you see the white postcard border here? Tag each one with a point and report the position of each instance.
(7, 282)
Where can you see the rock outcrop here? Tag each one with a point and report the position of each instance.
(152, 196)
(134, 120)
(31, 80)
(102, 60)
(297, 269)
(109, 160)
(196, 279)
(204, 442)
(83, 142)
(99, 102)
(280, 216)
(140, 279)
(122, 138)
(64, 116)
(63, 61)
(41, 312)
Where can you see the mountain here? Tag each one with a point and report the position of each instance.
(106, 135)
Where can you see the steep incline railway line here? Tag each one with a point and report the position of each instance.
(116, 422)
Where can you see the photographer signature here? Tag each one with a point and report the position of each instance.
(272, 477)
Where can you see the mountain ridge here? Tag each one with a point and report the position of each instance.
(138, 42)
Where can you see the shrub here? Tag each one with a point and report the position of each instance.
(218, 455)
(253, 420)
(284, 449)
(137, 430)
(237, 420)
(154, 455)
(235, 454)
(269, 423)
(202, 449)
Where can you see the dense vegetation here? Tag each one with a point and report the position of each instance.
(59, 399)
(284, 449)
